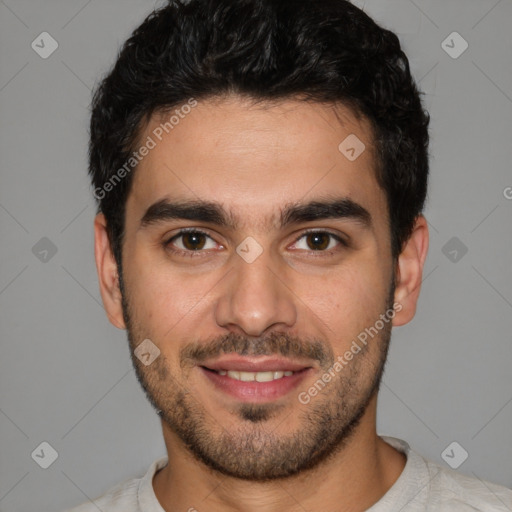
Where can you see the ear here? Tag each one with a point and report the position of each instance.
(107, 273)
(409, 271)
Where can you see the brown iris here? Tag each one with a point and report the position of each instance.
(193, 241)
(317, 239)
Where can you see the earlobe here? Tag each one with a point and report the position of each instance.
(107, 273)
(410, 271)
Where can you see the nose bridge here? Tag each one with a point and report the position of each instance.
(254, 297)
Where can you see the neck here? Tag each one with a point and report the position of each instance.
(352, 479)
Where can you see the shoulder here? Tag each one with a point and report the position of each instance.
(122, 497)
(125, 496)
(451, 490)
(425, 486)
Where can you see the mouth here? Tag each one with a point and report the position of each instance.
(253, 376)
(255, 379)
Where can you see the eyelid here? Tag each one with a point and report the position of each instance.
(337, 236)
(184, 231)
(327, 252)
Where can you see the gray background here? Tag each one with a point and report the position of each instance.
(65, 372)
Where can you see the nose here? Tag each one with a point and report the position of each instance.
(254, 297)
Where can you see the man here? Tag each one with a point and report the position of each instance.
(261, 170)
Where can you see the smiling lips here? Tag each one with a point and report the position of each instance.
(255, 379)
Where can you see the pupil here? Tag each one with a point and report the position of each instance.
(193, 238)
(318, 237)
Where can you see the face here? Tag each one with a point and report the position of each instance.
(284, 262)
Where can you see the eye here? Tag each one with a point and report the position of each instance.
(192, 241)
(320, 241)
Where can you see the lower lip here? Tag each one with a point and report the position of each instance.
(256, 391)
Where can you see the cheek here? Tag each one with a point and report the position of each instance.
(166, 301)
(350, 299)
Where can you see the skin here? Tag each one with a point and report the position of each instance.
(254, 159)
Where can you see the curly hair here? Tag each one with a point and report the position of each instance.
(322, 50)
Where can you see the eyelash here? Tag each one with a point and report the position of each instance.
(192, 254)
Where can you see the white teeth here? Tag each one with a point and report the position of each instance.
(268, 376)
(255, 376)
(246, 376)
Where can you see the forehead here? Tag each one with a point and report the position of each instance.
(256, 157)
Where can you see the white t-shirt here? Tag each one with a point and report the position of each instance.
(423, 486)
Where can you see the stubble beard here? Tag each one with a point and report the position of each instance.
(252, 450)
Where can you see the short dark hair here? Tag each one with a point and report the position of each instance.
(321, 51)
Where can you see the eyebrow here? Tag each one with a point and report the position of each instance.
(213, 212)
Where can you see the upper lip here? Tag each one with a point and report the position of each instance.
(254, 364)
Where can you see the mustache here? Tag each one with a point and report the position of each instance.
(275, 344)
